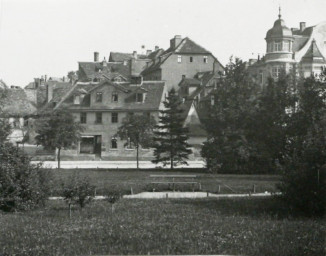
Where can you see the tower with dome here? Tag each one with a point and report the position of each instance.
(302, 50)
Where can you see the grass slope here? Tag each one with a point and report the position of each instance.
(139, 180)
(232, 226)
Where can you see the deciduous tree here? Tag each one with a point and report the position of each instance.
(57, 130)
(138, 130)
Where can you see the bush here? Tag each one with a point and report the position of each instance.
(23, 185)
(78, 190)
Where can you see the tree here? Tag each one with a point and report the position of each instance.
(57, 130)
(138, 130)
(5, 127)
(170, 135)
(23, 185)
(304, 178)
(229, 117)
(77, 190)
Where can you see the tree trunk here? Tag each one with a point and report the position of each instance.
(137, 155)
(59, 149)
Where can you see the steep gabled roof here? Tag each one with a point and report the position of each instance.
(313, 54)
(121, 56)
(189, 46)
(91, 70)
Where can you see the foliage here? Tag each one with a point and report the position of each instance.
(304, 178)
(57, 130)
(5, 127)
(23, 185)
(138, 130)
(78, 190)
(170, 135)
(228, 148)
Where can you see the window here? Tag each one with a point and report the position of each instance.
(261, 77)
(286, 46)
(276, 71)
(114, 143)
(83, 118)
(77, 100)
(191, 59)
(277, 46)
(114, 96)
(114, 118)
(205, 59)
(130, 145)
(212, 100)
(139, 97)
(179, 59)
(99, 97)
(98, 118)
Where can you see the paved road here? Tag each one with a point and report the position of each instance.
(114, 164)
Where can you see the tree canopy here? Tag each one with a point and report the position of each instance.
(171, 137)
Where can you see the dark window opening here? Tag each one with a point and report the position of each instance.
(98, 119)
(115, 97)
(114, 143)
(191, 59)
(99, 97)
(83, 118)
(139, 97)
(114, 117)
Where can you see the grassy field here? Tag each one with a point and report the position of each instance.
(139, 180)
(209, 226)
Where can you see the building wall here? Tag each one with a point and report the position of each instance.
(172, 70)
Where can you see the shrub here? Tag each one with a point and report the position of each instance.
(78, 190)
(23, 185)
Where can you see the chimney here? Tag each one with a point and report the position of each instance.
(174, 42)
(156, 47)
(49, 92)
(134, 54)
(302, 26)
(96, 55)
(148, 52)
(45, 78)
(104, 62)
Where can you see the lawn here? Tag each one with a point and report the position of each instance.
(139, 180)
(208, 226)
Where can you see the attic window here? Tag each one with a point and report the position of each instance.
(76, 100)
(179, 58)
(139, 97)
(99, 96)
(115, 97)
(205, 59)
(190, 59)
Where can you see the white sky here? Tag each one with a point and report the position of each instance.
(39, 37)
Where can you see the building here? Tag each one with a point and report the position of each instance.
(17, 109)
(302, 50)
(101, 108)
(183, 59)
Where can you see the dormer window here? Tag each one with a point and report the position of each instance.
(115, 97)
(99, 97)
(179, 59)
(139, 97)
(205, 59)
(77, 100)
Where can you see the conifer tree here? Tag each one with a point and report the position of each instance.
(170, 135)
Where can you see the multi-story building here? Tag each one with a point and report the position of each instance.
(302, 50)
(183, 59)
(101, 108)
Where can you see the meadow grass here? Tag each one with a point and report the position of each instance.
(253, 226)
(139, 180)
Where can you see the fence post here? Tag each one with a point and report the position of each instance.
(219, 188)
(131, 191)
(254, 188)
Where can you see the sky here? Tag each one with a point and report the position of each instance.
(49, 37)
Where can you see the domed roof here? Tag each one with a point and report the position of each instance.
(279, 30)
